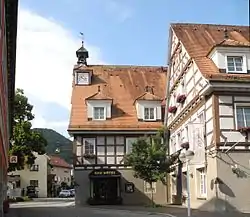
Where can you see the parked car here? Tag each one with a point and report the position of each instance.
(72, 192)
(64, 193)
(31, 192)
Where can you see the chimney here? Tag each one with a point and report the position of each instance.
(226, 34)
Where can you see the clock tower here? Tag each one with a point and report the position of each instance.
(82, 55)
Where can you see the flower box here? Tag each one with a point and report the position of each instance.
(172, 109)
(89, 156)
(244, 129)
(181, 98)
(185, 145)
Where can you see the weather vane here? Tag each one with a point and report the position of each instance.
(82, 37)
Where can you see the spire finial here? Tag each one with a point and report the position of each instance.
(82, 54)
(82, 38)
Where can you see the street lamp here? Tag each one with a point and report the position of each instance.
(187, 157)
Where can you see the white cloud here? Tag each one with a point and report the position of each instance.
(45, 59)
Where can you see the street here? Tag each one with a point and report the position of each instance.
(67, 208)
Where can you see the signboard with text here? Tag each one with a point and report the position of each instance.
(104, 173)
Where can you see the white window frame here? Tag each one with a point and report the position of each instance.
(244, 63)
(240, 105)
(90, 140)
(149, 119)
(147, 188)
(104, 113)
(173, 144)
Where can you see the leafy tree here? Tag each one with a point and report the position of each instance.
(25, 140)
(149, 159)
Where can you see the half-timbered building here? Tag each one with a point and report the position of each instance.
(111, 107)
(209, 113)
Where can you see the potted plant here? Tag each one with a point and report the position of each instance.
(89, 156)
(244, 129)
(181, 98)
(172, 109)
(185, 145)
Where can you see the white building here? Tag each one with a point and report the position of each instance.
(46, 171)
(209, 107)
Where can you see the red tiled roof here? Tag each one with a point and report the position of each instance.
(56, 161)
(200, 39)
(122, 84)
(149, 96)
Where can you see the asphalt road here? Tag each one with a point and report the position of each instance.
(67, 209)
(77, 212)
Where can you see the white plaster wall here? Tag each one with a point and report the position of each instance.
(194, 85)
(193, 124)
(26, 175)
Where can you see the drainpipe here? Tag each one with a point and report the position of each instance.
(167, 132)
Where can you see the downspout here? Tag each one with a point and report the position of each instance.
(167, 132)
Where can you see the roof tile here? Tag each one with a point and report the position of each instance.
(123, 84)
(200, 39)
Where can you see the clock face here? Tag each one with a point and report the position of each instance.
(82, 78)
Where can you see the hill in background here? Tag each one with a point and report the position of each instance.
(56, 140)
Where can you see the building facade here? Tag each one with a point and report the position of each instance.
(46, 174)
(112, 106)
(8, 29)
(209, 111)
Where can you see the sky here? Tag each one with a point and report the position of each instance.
(126, 32)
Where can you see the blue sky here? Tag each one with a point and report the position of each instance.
(133, 32)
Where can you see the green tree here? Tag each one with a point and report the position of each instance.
(25, 141)
(149, 159)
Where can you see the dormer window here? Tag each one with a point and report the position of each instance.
(235, 64)
(150, 114)
(99, 105)
(99, 113)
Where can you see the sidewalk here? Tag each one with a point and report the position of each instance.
(175, 211)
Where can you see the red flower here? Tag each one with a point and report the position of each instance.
(172, 109)
(181, 98)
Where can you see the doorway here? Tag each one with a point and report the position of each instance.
(105, 187)
(105, 190)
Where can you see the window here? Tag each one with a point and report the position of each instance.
(243, 116)
(34, 183)
(148, 188)
(235, 64)
(129, 144)
(99, 113)
(34, 167)
(149, 113)
(203, 182)
(173, 144)
(89, 146)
